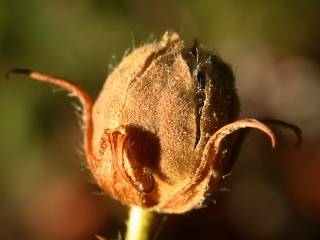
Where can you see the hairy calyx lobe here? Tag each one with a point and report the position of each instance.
(216, 99)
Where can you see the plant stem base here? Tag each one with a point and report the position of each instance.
(139, 224)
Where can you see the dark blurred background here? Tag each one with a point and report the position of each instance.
(274, 48)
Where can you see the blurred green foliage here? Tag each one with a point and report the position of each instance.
(82, 40)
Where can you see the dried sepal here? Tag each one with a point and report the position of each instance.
(75, 91)
(164, 130)
(118, 170)
(191, 195)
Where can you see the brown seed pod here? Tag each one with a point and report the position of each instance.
(158, 134)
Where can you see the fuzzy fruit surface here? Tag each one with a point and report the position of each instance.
(153, 120)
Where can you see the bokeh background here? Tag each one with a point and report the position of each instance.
(274, 47)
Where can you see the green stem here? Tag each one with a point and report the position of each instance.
(140, 224)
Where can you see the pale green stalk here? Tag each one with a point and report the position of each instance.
(140, 224)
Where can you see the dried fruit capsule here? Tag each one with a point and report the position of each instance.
(156, 136)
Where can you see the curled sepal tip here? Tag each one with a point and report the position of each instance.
(237, 125)
(279, 123)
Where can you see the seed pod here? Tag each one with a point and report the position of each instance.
(158, 134)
